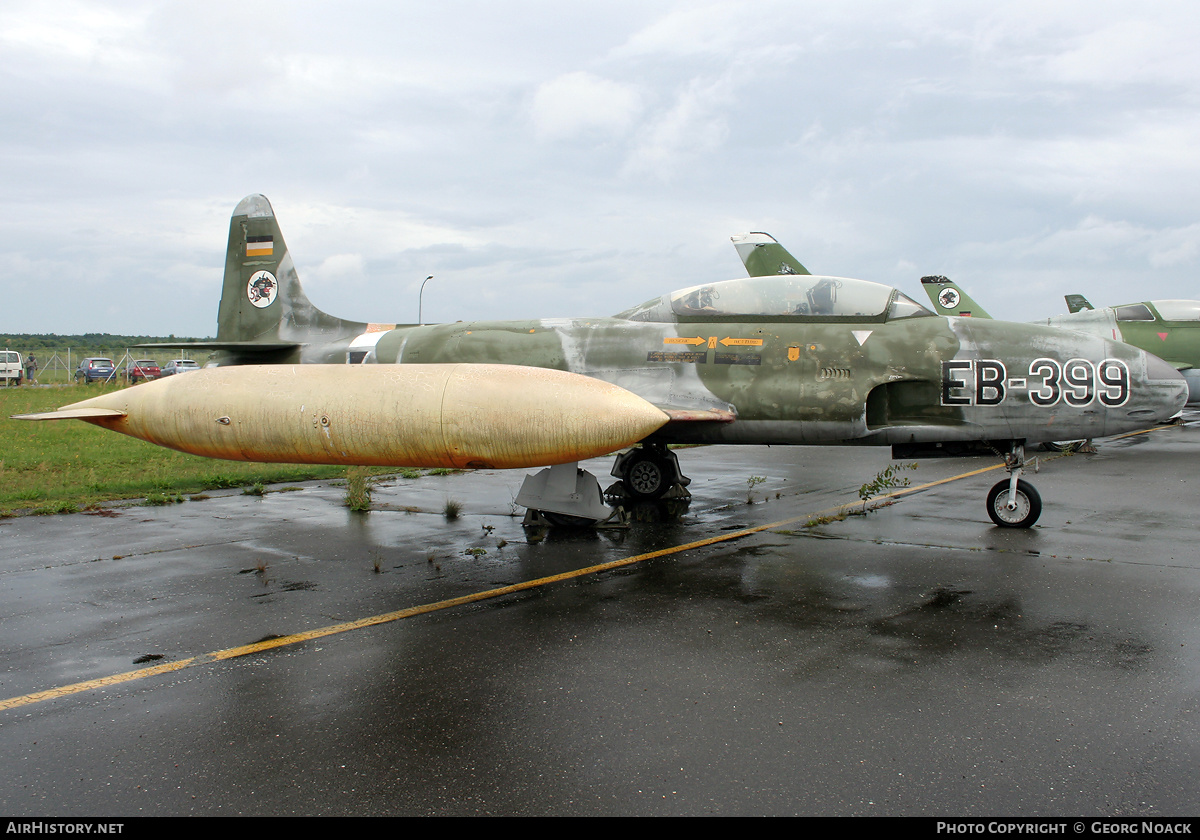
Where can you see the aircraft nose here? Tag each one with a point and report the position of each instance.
(1168, 385)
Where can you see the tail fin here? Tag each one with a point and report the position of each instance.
(949, 299)
(260, 278)
(264, 314)
(763, 255)
(262, 302)
(1077, 303)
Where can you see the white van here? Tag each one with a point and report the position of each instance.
(12, 371)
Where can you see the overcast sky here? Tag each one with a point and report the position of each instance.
(550, 159)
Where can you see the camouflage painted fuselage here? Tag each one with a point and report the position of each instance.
(1170, 329)
(786, 359)
(812, 381)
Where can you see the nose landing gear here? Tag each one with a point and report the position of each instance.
(1013, 502)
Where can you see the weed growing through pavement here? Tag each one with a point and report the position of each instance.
(358, 489)
(887, 479)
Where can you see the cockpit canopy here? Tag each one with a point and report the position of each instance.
(781, 297)
(1178, 310)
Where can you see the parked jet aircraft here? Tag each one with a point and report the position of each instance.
(785, 359)
(1170, 329)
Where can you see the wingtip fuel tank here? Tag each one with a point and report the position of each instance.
(452, 415)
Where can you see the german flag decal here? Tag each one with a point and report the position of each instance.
(260, 246)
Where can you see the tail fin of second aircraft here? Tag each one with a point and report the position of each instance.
(763, 255)
(949, 299)
(1077, 303)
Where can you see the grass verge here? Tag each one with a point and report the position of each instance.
(64, 465)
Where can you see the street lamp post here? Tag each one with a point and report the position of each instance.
(421, 300)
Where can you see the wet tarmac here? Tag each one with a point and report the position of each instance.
(916, 660)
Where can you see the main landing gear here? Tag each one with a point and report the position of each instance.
(1014, 503)
(565, 495)
(648, 472)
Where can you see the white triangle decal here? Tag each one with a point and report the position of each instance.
(861, 336)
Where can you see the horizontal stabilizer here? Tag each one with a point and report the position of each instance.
(236, 346)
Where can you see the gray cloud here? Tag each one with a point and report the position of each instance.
(545, 159)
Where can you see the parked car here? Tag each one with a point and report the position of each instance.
(180, 366)
(142, 370)
(95, 369)
(12, 367)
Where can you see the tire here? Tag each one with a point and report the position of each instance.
(647, 476)
(1029, 505)
(1062, 445)
(566, 520)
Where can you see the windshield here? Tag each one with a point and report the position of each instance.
(1134, 312)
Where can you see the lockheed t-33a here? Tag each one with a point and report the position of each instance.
(784, 359)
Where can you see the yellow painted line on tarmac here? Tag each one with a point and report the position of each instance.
(384, 618)
(101, 682)
(409, 612)
(1147, 431)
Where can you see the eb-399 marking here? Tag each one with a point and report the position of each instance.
(1077, 383)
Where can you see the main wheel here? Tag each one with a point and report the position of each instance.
(647, 476)
(566, 520)
(1027, 511)
(1062, 445)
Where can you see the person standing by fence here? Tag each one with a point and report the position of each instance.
(30, 369)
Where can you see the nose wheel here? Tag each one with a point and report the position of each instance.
(1014, 503)
(1021, 512)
